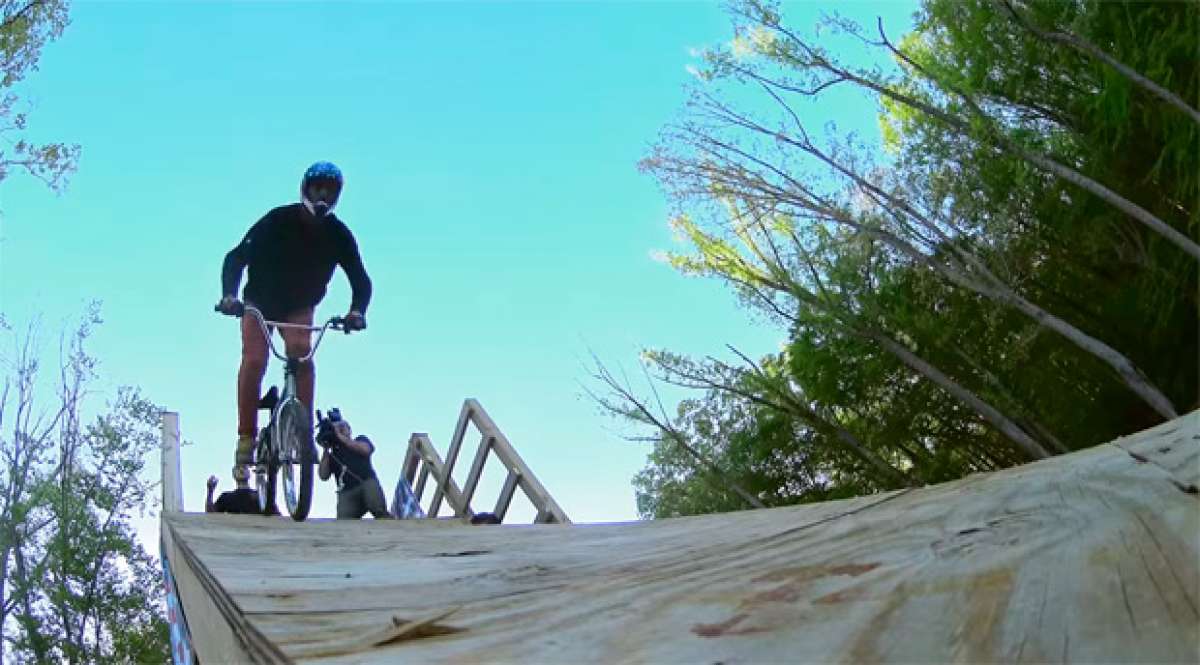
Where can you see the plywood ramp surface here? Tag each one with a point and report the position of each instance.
(1086, 558)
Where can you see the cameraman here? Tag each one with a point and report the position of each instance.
(349, 460)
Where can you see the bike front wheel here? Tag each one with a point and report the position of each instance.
(296, 458)
(265, 468)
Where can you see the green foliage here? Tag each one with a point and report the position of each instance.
(1097, 268)
(26, 26)
(77, 585)
(801, 240)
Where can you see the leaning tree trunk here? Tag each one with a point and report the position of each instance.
(999, 140)
(1084, 46)
(989, 413)
(794, 405)
(987, 284)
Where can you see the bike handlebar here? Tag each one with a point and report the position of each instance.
(336, 323)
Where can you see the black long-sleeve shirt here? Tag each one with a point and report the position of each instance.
(291, 257)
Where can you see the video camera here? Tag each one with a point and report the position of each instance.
(325, 434)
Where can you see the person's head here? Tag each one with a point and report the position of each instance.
(320, 188)
(241, 476)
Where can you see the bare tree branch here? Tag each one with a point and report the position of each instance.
(635, 407)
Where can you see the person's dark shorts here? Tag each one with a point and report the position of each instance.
(364, 497)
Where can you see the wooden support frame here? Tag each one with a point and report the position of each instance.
(422, 462)
(421, 449)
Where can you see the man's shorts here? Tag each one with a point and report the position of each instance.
(364, 497)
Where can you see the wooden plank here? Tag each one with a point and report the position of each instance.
(1084, 558)
(537, 493)
(172, 483)
(506, 494)
(447, 487)
(481, 457)
(447, 468)
(420, 488)
(412, 458)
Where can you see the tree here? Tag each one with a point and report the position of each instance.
(77, 585)
(26, 26)
(1025, 242)
(768, 452)
(713, 154)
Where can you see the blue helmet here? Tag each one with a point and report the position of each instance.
(320, 188)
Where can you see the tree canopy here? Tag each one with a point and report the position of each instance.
(1010, 274)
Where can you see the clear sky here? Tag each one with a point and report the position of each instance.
(490, 158)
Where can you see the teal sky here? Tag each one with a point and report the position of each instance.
(490, 157)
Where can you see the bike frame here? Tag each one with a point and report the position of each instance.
(288, 394)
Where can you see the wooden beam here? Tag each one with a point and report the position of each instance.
(448, 487)
(419, 489)
(446, 468)
(481, 457)
(411, 458)
(172, 483)
(506, 493)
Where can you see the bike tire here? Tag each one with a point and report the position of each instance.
(296, 450)
(266, 471)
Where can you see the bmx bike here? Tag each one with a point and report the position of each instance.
(284, 448)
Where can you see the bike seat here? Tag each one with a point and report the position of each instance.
(269, 400)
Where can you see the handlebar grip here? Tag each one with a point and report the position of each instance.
(339, 323)
(240, 310)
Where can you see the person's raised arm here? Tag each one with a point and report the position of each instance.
(208, 500)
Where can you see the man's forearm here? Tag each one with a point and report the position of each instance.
(360, 284)
(231, 271)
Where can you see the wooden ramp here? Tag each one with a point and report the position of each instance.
(1090, 557)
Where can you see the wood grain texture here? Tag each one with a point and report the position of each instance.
(1084, 558)
(1172, 447)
